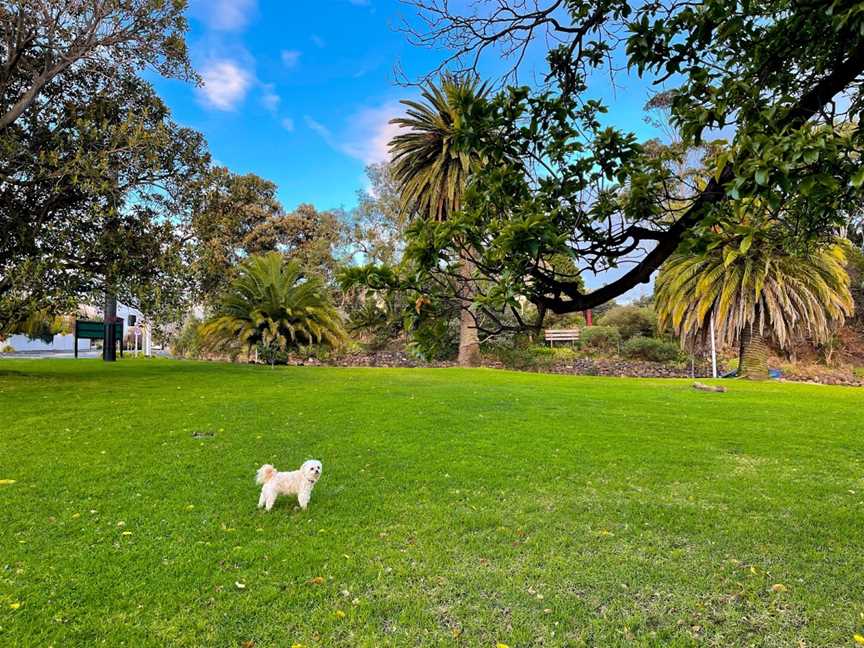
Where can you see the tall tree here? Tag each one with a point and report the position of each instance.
(85, 205)
(377, 229)
(42, 40)
(432, 165)
(73, 152)
(229, 217)
(743, 277)
(781, 77)
(232, 217)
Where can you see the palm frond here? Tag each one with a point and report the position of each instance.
(786, 296)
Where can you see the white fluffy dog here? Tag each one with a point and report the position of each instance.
(297, 482)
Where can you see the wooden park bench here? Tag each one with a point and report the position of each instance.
(561, 335)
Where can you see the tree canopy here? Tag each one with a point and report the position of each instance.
(780, 80)
(90, 156)
(86, 186)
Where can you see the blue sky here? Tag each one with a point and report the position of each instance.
(300, 92)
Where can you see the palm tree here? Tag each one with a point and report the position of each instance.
(271, 306)
(756, 291)
(432, 169)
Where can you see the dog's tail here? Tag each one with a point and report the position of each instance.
(264, 474)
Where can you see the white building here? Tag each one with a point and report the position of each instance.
(67, 342)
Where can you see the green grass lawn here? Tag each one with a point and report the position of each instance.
(457, 507)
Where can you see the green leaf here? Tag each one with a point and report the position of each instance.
(729, 257)
(722, 160)
(857, 178)
(746, 242)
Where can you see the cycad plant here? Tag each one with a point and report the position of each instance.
(756, 290)
(273, 307)
(432, 164)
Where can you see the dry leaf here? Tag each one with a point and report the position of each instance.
(318, 580)
(248, 644)
(6, 482)
(501, 645)
(15, 605)
(859, 639)
(778, 587)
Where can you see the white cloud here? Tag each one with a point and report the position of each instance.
(224, 15)
(225, 84)
(319, 42)
(366, 135)
(290, 57)
(319, 128)
(269, 99)
(288, 124)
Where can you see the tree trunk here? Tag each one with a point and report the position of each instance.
(469, 340)
(109, 341)
(753, 355)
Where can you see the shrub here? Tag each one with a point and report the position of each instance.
(605, 339)
(653, 349)
(434, 339)
(631, 321)
(568, 321)
(530, 357)
(275, 306)
(189, 342)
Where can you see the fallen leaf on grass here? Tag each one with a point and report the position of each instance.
(501, 645)
(189, 507)
(340, 614)
(6, 482)
(239, 585)
(297, 645)
(318, 580)
(859, 639)
(778, 587)
(76, 515)
(248, 644)
(15, 605)
(126, 533)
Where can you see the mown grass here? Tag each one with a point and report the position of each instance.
(456, 508)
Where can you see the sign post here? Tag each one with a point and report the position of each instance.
(95, 330)
(713, 349)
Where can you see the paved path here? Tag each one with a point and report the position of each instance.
(70, 355)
